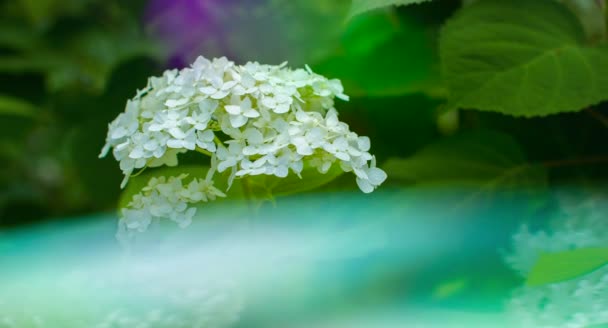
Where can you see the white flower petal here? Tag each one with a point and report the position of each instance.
(233, 110)
(363, 143)
(175, 143)
(177, 133)
(376, 176)
(176, 102)
(238, 120)
(251, 113)
(281, 171)
(253, 136)
(364, 185)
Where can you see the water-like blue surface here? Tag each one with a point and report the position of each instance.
(392, 259)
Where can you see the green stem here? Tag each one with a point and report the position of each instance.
(598, 116)
(204, 152)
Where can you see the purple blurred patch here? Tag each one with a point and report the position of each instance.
(186, 27)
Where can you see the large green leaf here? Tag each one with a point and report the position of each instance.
(557, 267)
(501, 56)
(361, 6)
(483, 162)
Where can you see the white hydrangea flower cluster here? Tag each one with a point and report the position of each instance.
(576, 303)
(253, 119)
(168, 198)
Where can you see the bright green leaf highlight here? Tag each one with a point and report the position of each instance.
(379, 56)
(557, 267)
(16, 107)
(364, 34)
(522, 58)
(361, 6)
(450, 288)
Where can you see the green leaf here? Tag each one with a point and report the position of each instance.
(557, 267)
(498, 55)
(292, 184)
(16, 37)
(92, 56)
(40, 63)
(484, 162)
(260, 187)
(479, 156)
(364, 34)
(361, 6)
(378, 57)
(42, 13)
(85, 61)
(450, 288)
(16, 107)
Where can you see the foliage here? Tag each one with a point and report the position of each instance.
(261, 188)
(483, 163)
(557, 267)
(490, 98)
(541, 67)
(82, 58)
(361, 6)
(387, 40)
(270, 186)
(15, 106)
(372, 46)
(478, 156)
(493, 95)
(59, 64)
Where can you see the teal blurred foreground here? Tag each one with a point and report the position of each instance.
(393, 259)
